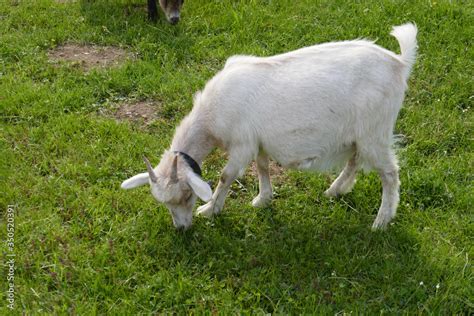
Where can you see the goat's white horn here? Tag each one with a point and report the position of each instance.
(151, 172)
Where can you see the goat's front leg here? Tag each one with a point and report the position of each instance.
(152, 10)
(264, 185)
(229, 174)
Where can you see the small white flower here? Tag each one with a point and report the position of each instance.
(437, 286)
(421, 283)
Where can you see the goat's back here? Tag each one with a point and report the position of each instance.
(314, 102)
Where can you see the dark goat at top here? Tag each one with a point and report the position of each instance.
(171, 8)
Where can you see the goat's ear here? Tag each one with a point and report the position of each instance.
(199, 186)
(135, 181)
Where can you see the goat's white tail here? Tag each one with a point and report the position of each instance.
(406, 36)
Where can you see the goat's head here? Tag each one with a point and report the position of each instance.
(172, 9)
(174, 183)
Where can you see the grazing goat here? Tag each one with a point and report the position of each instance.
(314, 108)
(171, 8)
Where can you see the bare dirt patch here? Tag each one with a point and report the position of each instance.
(277, 172)
(137, 111)
(89, 56)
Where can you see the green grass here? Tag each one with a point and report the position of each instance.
(83, 246)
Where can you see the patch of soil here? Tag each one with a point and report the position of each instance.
(277, 172)
(145, 111)
(89, 56)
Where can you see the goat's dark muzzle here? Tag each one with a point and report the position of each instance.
(174, 20)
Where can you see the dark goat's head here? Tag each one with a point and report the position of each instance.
(172, 9)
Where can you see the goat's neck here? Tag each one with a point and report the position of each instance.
(192, 137)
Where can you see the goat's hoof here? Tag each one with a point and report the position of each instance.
(380, 223)
(207, 210)
(331, 193)
(260, 201)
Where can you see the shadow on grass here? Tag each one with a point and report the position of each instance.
(273, 261)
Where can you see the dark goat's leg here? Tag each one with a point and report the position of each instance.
(152, 10)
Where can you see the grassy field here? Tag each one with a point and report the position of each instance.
(83, 246)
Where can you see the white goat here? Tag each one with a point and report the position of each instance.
(313, 108)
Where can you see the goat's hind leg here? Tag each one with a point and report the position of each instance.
(390, 198)
(346, 179)
(265, 187)
(388, 171)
